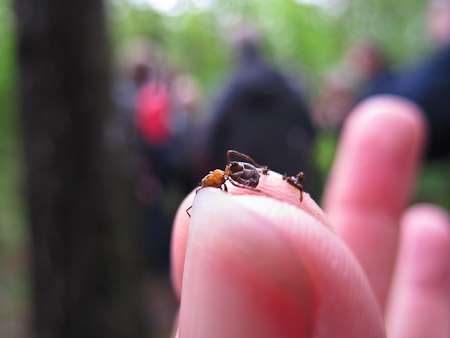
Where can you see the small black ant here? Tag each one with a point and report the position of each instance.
(240, 174)
(296, 181)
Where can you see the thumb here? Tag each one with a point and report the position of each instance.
(257, 267)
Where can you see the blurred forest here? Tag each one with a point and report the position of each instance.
(304, 38)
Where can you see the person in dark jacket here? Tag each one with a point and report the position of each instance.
(262, 114)
(427, 83)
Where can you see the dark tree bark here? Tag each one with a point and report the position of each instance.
(84, 243)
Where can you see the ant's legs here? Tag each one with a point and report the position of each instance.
(243, 186)
(296, 181)
(296, 184)
(248, 158)
(187, 211)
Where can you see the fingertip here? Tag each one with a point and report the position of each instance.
(429, 214)
(371, 181)
(420, 301)
(379, 151)
(259, 267)
(180, 231)
(425, 247)
(389, 106)
(271, 185)
(397, 124)
(241, 278)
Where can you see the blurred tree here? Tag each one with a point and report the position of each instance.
(84, 244)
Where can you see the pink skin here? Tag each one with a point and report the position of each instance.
(259, 266)
(371, 182)
(420, 301)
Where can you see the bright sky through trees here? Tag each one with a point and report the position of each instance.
(172, 7)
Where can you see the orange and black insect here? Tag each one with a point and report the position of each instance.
(296, 181)
(240, 174)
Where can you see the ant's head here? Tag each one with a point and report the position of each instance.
(300, 177)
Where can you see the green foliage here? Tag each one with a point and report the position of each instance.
(324, 152)
(14, 287)
(11, 222)
(433, 185)
(398, 26)
(305, 39)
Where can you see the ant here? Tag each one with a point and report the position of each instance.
(296, 181)
(240, 174)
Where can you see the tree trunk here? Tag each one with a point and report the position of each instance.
(84, 242)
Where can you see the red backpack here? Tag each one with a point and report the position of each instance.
(152, 114)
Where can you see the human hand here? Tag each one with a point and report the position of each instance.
(258, 266)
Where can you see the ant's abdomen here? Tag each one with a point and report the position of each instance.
(244, 173)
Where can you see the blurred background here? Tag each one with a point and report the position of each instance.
(190, 65)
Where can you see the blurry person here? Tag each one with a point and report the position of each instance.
(151, 117)
(438, 22)
(156, 124)
(368, 65)
(335, 99)
(428, 83)
(134, 68)
(193, 139)
(364, 66)
(261, 113)
(188, 93)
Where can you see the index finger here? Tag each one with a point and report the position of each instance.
(371, 182)
(272, 185)
(259, 267)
